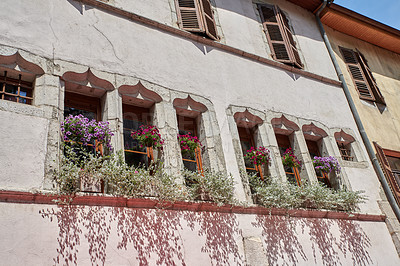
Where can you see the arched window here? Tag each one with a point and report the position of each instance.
(137, 109)
(83, 95)
(344, 142)
(189, 113)
(284, 132)
(316, 147)
(247, 125)
(17, 77)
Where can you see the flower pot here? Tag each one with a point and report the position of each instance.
(203, 195)
(89, 183)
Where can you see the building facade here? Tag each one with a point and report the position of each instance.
(233, 72)
(368, 55)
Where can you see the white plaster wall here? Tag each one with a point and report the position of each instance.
(238, 20)
(243, 29)
(128, 48)
(158, 10)
(23, 150)
(63, 32)
(47, 234)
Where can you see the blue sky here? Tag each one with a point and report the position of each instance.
(384, 11)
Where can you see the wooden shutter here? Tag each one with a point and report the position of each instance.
(208, 19)
(370, 78)
(189, 15)
(360, 81)
(279, 35)
(388, 172)
(290, 43)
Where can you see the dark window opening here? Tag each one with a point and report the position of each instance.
(313, 150)
(191, 162)
(133, 118)
(292, 173)
(15, 90)
(246, 136)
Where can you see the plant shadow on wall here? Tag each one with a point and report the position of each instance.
(74, 221)
(281, 240)
(156, 235)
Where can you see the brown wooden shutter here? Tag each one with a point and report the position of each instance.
(279, 35)
(388, 172)
(370, 78)
(208, 19)
(189, 15)
(290, 43)
(360, 81)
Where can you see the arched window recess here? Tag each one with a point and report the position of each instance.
(137, 108)
(83, 96)
(284, 132)
(189, 112)
(247, 125)
(17, 77)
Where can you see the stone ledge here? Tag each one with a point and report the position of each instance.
(110, 201)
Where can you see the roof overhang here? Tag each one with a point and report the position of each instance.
(354, 24)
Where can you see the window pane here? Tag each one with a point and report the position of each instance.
(191, 166)
(11, 89)
(136, 159)
(10, 98)
(129, 142)
(74, 111)
(394, 163)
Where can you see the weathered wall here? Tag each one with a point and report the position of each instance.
(73, 38)
(381, 124)
(121, 236)
(23, 147)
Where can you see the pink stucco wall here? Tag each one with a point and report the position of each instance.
(36, 234)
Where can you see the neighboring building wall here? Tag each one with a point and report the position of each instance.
(382, 123)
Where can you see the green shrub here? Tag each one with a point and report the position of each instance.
(212, 186)
(275, 193)
(123, 180)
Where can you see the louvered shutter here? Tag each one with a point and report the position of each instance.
(208, 19)
(388, 172)
(370, 78)
(279, 35)
(274, 34)
(360, 81)
(290, 43)
(189, 15)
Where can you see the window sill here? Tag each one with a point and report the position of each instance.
(110, 201)
(20, 108)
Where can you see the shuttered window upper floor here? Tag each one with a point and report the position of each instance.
(361, 75)
(279, 35)
(197, 16)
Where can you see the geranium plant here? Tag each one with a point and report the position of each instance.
(289, 159)
(326, 164)
(259, 155)
(83, 131)
(148, 136)
(188, 143)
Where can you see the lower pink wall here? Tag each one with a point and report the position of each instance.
(34, 234)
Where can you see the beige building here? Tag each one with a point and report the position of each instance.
(368, 54)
